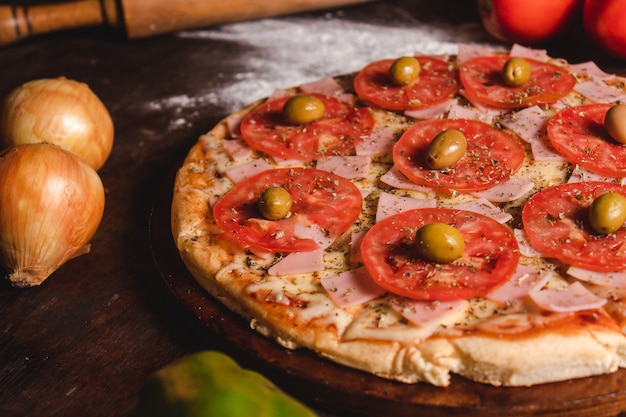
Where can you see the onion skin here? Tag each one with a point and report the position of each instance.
(59, 111)
(51, 204)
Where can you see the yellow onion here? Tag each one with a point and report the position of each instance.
(51, 204)
(60, 111)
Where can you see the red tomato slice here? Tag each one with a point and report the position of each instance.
(490, 258)
(491, 157)
(320, 199)
(555, 220)
(337, 132)
(578, 134)
(437, 82)
(482, 80)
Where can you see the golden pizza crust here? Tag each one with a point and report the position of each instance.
(297, 312)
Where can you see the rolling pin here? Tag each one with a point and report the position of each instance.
(142, 18)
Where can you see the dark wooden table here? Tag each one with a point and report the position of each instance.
(82, 343)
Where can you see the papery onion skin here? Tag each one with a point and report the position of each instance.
(51, 204)
(60, 111)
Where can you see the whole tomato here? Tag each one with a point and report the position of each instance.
(528, 21)
(605, 24)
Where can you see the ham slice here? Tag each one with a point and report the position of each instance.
(238, 150)
(397, 179)
(458, 111)
(532, 53)
(326, 85)
(530, 125)
(589, 68)
(600, 92)
(580, 174)
(525, 248)
(520, 284)
(467, 51)
(390, 204)
(432, 112)
(574, 297)
(429, 313)
(484, 207)
(603, 279)
(510, 190)
(314, 233)
(355, 247)
(247, 170)
(299, 263)
(379, 142)
(352, 287)
(351, 166)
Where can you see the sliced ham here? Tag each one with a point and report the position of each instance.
(299, 263)
(510, 190)
(603, 279)
(466, 51)
(530, 125)
(397, 179)
(352, 287)
(526, 52)
(458, 111)
(520, 284)
(355, 247)
(350, 166)
(390, 204)
(484, 207)
(313, 232)
(574, 297)
(432, 112)
(247, 170)
(238, 150)
(589, 68)
(600, 92)
(233, 122)
(379, 142)
(429, 313)
(326, 85)
(525, 248)
(580, 174)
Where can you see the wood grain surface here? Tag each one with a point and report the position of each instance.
(82, 343)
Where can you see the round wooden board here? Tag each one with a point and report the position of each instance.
(347, 392)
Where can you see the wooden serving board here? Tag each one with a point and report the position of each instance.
(348, 392)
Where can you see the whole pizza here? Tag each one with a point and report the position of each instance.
(425, 216)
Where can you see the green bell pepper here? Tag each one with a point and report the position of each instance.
(212, 384)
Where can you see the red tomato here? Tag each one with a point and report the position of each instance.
(605, 23)
(528, 21)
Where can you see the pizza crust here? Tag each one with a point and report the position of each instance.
(396, 350)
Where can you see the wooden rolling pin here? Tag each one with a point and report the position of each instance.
(141, 18)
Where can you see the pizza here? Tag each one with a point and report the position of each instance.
(415, 229)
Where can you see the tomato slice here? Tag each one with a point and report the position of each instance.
(320, 199)
(437, 82)
(555, 220)
(482, 80)
(337, 132)
(490, 258)
(578, 133)
(492, 156)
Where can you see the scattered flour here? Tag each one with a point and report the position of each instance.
(288, 51)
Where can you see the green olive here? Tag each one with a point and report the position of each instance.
(608, 212)
(445, 149)
(303, 109)
(439, 242)
(404, 70)
(516, 72)
(615, 123)
(275, 203)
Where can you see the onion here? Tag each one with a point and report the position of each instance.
(58, 111)
(51, 203)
